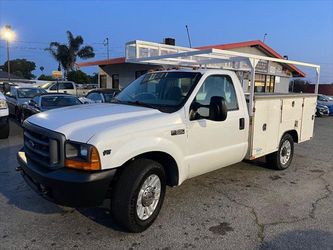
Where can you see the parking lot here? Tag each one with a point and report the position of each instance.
(244, 206)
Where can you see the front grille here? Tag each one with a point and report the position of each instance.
(43, 146)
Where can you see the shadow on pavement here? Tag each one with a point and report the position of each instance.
(300, 239)
(15, 190)
(101, 215)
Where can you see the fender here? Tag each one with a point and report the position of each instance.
(125, 149)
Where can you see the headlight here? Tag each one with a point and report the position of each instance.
(3, 104)
(81, 156)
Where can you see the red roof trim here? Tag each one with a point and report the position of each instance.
(103, 62)
(259, 43)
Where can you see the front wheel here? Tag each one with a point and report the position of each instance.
(138, 195)
(282, 158)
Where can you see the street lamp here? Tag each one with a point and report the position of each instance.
(8, 34)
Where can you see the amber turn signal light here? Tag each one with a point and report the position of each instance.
(93, 163)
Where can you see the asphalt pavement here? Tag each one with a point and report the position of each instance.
(243, 206)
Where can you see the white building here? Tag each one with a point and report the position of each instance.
(270, 76)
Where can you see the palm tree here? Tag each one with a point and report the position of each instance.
(66, 54)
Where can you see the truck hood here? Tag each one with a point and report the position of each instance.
(81, 122)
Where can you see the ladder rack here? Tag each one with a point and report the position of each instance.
(161, 54)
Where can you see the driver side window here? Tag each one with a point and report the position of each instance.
(216, 85)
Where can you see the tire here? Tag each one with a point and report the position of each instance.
(282, 158)
(126, 204)
(22, 118)
(4, 131)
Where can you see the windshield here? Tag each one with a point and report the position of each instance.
(59, 101)
(160, 89)
(29, 92)
(46, 85)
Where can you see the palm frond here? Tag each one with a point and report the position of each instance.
(86, 52)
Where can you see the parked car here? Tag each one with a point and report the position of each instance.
(102, 95)
(66, 87)
(326, 101)
(44, 102)
(4, 123)
(19, 95)
(322, 110)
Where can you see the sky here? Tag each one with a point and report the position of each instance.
(303, 30)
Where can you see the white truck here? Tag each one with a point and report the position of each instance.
(4, 123)
(66, 87)
(164, 128)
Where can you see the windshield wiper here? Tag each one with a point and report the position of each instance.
(137, 103)
(143, 104)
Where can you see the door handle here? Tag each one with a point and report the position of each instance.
(241, 123)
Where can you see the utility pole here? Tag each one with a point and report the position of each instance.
(188, 36)
(265, 35)
(106, 43)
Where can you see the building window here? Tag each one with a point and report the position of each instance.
(102, 81)
(115, 81)
(140, 73)
(264, 83)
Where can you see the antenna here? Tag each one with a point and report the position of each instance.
(106, 43)
(265, 35)
(188, 36)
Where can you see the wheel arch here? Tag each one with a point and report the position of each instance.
(167, 161)
(293, 133)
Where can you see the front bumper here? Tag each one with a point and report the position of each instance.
(66, 186)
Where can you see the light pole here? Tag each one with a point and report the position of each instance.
(8, 34)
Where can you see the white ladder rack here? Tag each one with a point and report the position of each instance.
(161, 54)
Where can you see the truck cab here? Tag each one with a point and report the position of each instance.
(67, 87)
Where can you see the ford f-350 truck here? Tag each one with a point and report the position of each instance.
(164, 128)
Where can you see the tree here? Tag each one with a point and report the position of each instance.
(66, 54)
(94, 78)
(78, 76)
(45, 77)
(20, 67)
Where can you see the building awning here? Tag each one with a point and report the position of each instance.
(117, 60)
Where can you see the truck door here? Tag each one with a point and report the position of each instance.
(216, 144)
(67, 87)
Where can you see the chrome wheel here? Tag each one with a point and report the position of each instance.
(285, 152)
(148, 197)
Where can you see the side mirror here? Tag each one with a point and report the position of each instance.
(33, 104)
(217, 109)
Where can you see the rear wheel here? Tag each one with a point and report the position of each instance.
(282, 158)
(138, 195)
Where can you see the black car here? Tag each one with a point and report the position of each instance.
(18, 95)
(102, 95)
(46, 102)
